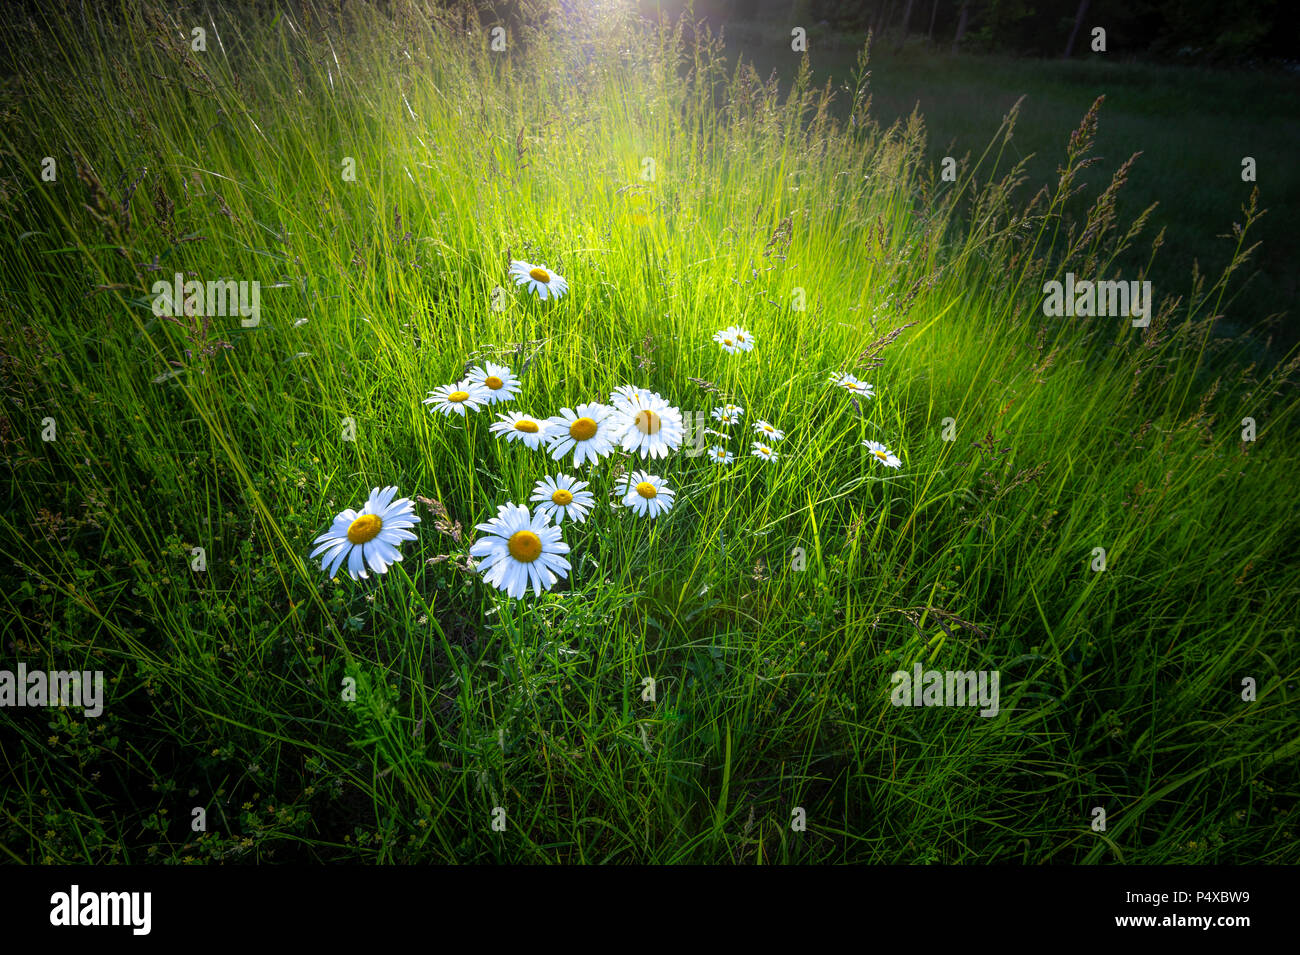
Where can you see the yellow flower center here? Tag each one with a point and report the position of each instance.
(493, 382)
(647, 490)
(766, 450)
(562, 497)
(881, 454)
(728, 342)
(768, 428)
(524, 546)
(740, 336)
(647, 422)
(528, 427)
(458, 396)
(365, 528)
(583, 429)
(541, 275)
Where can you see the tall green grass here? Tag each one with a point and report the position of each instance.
(1120, 688)
(1191, 126)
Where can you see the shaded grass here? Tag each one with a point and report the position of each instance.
(1193, 127)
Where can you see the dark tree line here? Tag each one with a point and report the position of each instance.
(1203, 30)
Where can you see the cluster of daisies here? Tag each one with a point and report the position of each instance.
(729, 415)
(733, 340)
(636, 419)
(522, 548)
(736, 339)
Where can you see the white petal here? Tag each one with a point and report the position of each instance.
(336, 561)
(356, 564)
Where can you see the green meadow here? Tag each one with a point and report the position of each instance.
(1190, 126)
(1082, 506)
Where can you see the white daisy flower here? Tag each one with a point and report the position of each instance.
(539, 279)
(458, 398)
(517, 426)
(369, 538)
(883, 454)
(761, 450)
(589, 432)
(647, 494)
(624, 395)
(721, 455)
(562, 496)
(519, 550)
(727, 339)
(728, 414)
(851, 384)
(763, 428)
(647, 423)
(497, 380)
(743, 338)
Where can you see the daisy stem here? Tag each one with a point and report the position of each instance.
(732, 396)
(514, 632)
(622, 524)
(714, 493)
(742, 399)
(471, 438)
